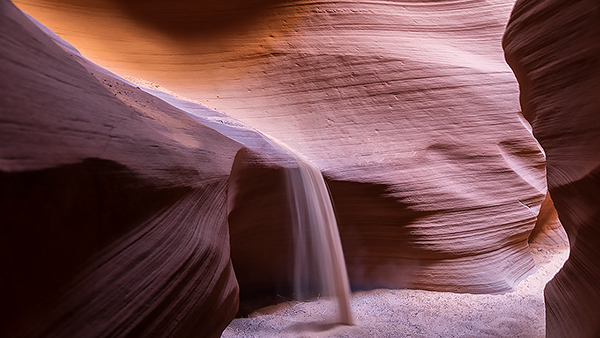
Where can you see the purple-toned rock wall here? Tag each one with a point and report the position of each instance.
(554, 49)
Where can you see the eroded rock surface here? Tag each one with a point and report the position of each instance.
(548, 230)
(554, 49)
(408, 107)
(113, 202)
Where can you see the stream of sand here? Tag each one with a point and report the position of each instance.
(319, 259)
(391, 313)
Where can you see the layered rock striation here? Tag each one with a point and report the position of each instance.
(554, 50)
(151, 212)
(114, 203)
(408, 107)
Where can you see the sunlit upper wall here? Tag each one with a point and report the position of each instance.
(312, 73)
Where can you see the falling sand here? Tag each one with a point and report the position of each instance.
(319, 260)
(416, 313)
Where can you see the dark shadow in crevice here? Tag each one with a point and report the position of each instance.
(376, 237)
(55, 220)
(373, 224)
(191, 18)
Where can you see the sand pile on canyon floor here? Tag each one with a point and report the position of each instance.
(416, 313)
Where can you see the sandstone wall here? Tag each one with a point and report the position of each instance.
(554, 49)
(113, 214)
(408, 107)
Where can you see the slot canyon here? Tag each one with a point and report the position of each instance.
(172, 168)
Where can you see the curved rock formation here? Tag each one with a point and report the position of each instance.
(548, 230)
(554, 49)
(113, 202)
(408, 107)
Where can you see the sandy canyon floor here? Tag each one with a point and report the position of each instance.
(416, 313)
